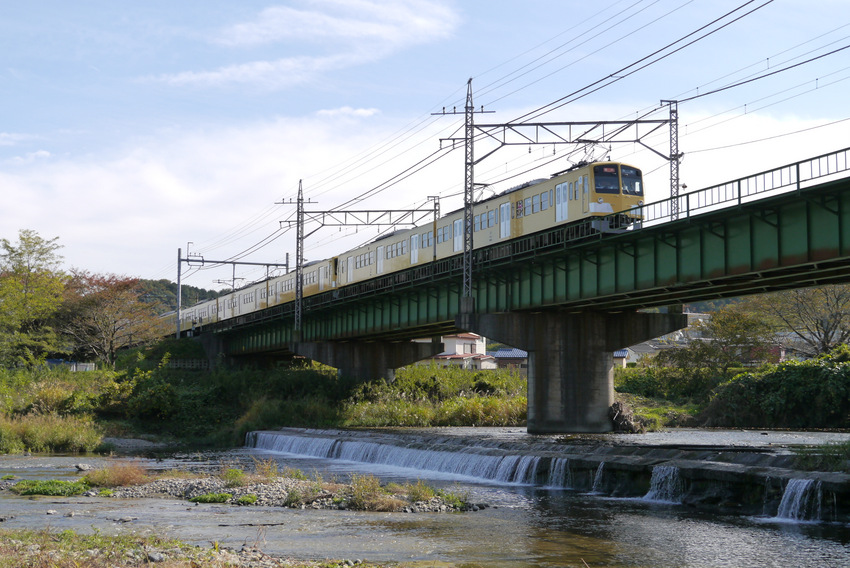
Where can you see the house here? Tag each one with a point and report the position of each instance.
(466, 350)
(511, 358)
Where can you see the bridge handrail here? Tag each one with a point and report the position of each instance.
(791, 177)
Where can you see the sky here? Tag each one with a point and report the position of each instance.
(130, 130)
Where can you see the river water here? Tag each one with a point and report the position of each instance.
(523, 525)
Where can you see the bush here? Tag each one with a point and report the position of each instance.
(668, 383)
(52, 487)
(808, 394)
(247, 499)
(48, 433)
(120, 474)
(233, 477)
(212, 498)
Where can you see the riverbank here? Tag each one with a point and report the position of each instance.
(526, 524)
(49, 548)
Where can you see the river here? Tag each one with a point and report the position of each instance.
(522, 525)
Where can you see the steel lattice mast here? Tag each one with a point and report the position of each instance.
(468, 202)
(299, 260)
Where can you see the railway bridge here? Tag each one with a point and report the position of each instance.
(570, 296)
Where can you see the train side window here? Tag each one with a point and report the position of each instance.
(477, 223)
(535, 203)
(519, 208)
(491, 216)
(527, 207)
(544, 201)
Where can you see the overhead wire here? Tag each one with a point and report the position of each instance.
(416, 127)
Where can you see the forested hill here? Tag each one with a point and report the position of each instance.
(165, 292)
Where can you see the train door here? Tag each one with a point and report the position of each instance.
(380, 260)
(505, 220)
(349, 263)
(458, 238)
(321, 277)
(585, 194)
(414, 249)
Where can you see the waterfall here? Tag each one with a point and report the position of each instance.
(801, 500)
(491, 464)
(560, 474)
(597, 479)
(665, 485)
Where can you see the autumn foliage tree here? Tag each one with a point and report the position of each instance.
(104, 313)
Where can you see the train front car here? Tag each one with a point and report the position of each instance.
(616, 196)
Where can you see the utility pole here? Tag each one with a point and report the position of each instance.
(335, 218)
(299, 262)
(199, 259)
(674, 158)
(179, 290)
(529, 133)
(467, 302)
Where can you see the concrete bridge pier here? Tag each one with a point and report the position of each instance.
(367, 360)
(570, 360)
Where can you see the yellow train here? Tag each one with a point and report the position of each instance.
(597, 189)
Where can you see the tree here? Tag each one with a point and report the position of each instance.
(818, 319)
(731, 337)
(31, 285)
(105, 313)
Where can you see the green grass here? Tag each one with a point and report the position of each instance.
(66, 549)
(248, 499)
(656, 413)
(53, 487)
(826, 457)
(48, 433)
(212, 498)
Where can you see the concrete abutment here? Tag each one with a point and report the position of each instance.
(570, 359)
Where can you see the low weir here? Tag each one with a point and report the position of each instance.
(746, 481)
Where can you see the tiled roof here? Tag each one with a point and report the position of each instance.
(462, 356)
(506, 353)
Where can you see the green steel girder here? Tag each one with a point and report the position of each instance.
(790, 240)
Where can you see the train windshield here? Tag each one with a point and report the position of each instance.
(607, 178)
(632, 181)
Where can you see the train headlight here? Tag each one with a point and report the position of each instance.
(599, 200)
(640, 202)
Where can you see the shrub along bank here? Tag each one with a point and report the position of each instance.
(59, 411)
(144, 394)
(794, 394)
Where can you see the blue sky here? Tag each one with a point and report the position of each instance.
(133, 128)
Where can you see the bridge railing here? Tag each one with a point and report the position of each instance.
(791, 177)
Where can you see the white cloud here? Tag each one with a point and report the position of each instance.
(31, 157)
(398, 22)
(348, 111)
(348, 32)
(127, 213)
(12, 138)
(271, 74)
